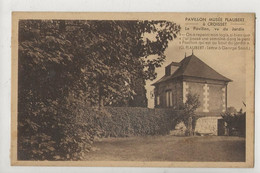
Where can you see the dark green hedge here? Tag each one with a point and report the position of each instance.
(134, 121)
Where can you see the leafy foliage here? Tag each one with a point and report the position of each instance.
(102, 57)
(236, 122)
(56, 133)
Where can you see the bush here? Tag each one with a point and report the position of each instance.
(236, 123)
(188, 116)
(135, 121)
(57, 132)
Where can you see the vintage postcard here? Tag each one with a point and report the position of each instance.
(133, 89)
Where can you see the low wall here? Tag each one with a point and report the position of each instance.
(207, 125)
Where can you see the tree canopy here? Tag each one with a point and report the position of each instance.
(100, 57)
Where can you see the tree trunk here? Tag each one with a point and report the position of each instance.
(100, 97)
(194, 123)
(189, 128)
(101, 101)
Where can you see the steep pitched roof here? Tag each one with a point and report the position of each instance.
(192, 66)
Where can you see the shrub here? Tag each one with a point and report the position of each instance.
(134, 121)
(236, 123)
(61, 132)
(187, 116)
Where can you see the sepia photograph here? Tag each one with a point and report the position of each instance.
(133, 89)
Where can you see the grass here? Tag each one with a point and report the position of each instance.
(169, 148)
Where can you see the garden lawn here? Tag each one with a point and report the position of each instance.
(169, 148)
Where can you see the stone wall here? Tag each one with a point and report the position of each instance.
(196, 88)
(212, 97)
(204, 126)
(207, 125)
(217, 94)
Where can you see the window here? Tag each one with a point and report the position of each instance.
(158, 100)
(169, 98)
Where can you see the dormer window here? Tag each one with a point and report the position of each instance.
(171, 68)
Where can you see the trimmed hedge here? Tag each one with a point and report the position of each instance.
(134, 121)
